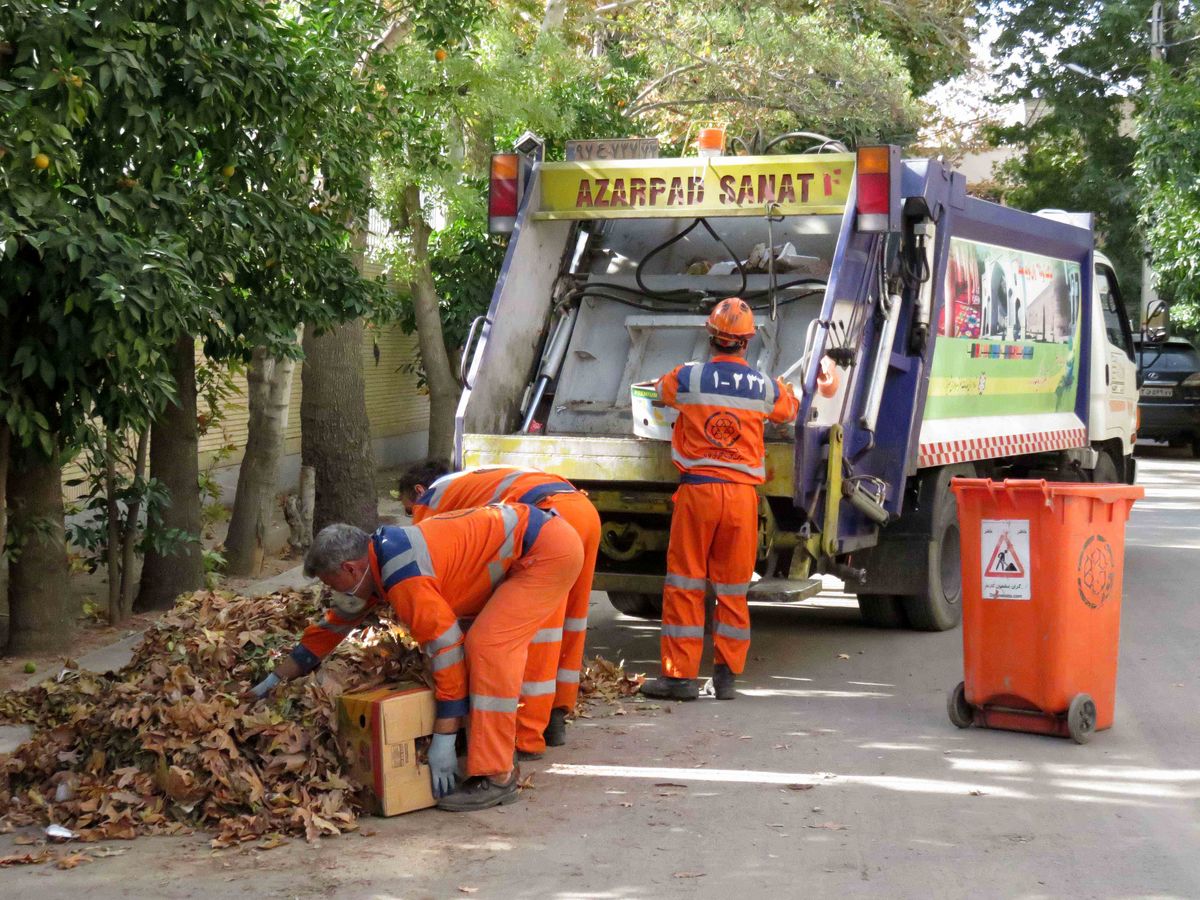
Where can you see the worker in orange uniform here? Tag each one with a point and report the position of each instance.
(509, 567)
(556, 655)
(717, 445)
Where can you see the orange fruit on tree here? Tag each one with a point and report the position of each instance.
(41, 161)
(228, 171)
(440, 54)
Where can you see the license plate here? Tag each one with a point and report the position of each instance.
(1157, 392)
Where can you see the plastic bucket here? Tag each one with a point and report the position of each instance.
(651, 417)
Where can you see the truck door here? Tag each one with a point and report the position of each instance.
(1120, 370)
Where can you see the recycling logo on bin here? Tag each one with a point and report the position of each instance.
(1096, 572)
(1004, 551)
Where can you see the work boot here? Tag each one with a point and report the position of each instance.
(722, 680)
(526, 755)
(482, 792)
(665, 688)
(556, 732)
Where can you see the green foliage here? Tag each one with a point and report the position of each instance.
(203, 160)
(1168, 171)
(770, 69)
(87, 529)
(1078, 153)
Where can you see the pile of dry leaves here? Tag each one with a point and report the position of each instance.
(605, 681)
(167, 744)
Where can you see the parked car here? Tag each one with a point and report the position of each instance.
(1169, 400)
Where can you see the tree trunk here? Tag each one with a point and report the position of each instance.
(269, 386)
(112, 552)
(335, 433)
(43, 617)
(5, 445)
(129, 533)
(431, 341)
(174, 462)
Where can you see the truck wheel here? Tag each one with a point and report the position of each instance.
(1106, 470)
(640, 606)
(939, 608)
(882, 611)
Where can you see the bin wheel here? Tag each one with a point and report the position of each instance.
(1081, 718)
(962, 714)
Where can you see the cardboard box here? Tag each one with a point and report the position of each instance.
(378, 731)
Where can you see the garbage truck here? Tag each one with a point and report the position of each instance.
(928, 334)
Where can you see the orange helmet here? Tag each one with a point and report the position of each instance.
(731, 321)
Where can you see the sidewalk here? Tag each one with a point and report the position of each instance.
(119, 653)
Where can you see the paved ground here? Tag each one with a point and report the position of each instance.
(702, 800)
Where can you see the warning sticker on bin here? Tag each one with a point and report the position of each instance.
(1004, 553)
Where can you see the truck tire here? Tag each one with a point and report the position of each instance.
(882, 611)
(939, 606)
(1106, 470)
(640, 606)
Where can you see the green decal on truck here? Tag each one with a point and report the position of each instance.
(1008, 337)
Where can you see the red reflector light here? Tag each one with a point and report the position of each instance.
(503, 192)
(873, 193)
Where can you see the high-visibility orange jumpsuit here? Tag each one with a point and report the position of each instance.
(508, 567)
(552, 673)
(718, 446)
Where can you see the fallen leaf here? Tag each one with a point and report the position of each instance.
(668, 784)
(24, 839)
(828, 826)
(978, 794)
(688, 874)
(800, 787)
(25, 859)
(71, 860)
(843, 656)
(463, 889)
(102, 852)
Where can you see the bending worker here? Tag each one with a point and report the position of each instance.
(552, 672)
(509, 567)
(717, 445)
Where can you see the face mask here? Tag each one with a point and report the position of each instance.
(348, 603)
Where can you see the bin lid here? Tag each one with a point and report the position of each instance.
(1107, 493)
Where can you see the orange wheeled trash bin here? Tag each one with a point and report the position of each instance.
(1041, 568)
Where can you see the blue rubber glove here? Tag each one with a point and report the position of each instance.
(443, 764)
(265, 686)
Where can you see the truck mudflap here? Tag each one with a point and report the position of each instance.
(774, 590)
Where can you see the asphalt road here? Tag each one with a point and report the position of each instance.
(835, 773)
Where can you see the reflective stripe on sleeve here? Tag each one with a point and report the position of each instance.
(452, 635)
(484, 703)
(737, 634)
(683, 631)
(449, 658)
